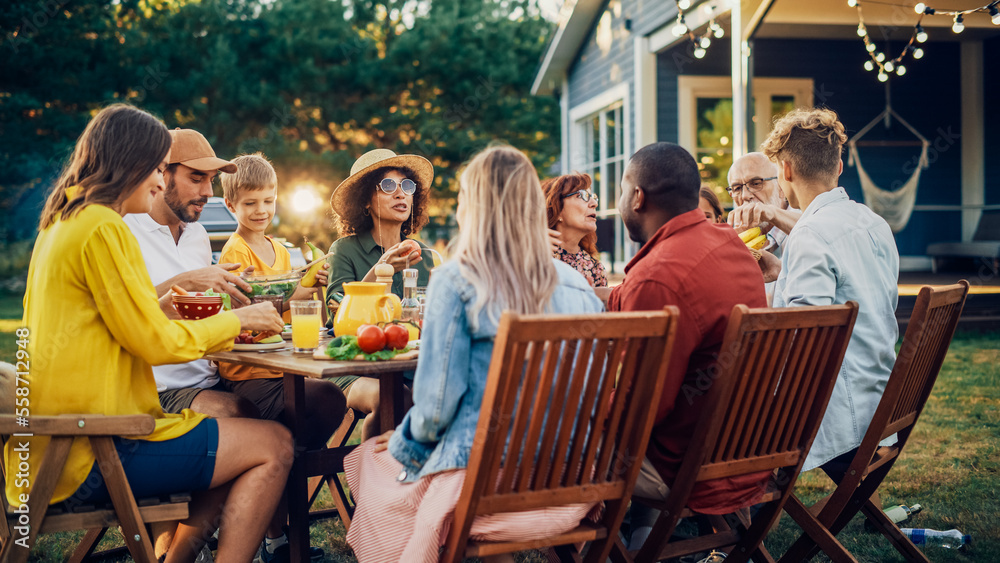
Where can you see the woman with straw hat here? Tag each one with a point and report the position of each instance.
(378, 206)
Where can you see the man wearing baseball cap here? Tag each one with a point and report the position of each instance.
(177, 251)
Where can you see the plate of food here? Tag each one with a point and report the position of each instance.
(260, 346)
(347, 348)
(256, 341)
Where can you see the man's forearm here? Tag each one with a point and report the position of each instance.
(785, 219)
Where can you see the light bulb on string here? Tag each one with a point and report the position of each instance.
(870, 47)
(921, 34)
(889, 66)
(995, 15)
(684, 4)
(918, 53)
(699, 53)
(880, 57)
(920, 7)
(882, 76)
(900, 70)
(709, 9)
(869, 66)
(959, 25)
(852, 3)
(861, 30)
(705, 42)
(680, 28)
(719, 32)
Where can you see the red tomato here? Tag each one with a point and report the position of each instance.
(396, 337)
(371, 339)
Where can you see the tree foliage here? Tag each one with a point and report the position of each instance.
(310, 83)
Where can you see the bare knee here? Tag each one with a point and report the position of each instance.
(363, 395)
(224, 405)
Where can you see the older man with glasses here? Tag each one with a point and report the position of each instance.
(753, 185)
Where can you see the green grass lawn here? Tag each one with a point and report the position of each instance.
(951, 467)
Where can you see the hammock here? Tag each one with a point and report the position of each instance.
(893, 206)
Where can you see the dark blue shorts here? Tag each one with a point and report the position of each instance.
(154, 469)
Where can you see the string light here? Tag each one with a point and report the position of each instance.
(852, 3)
(918, 53)
(701, 43)
(994, 14)
(900, 70)
(920, 7)
(959, 25)
(921, 34)
(869, 66)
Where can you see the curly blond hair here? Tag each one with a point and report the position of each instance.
(811, 140)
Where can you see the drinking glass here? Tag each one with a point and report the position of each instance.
(305, 325)
(421, 296)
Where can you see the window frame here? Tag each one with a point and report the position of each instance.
(581, 119)
(690, 88)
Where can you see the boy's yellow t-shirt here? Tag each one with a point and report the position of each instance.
(237, 250)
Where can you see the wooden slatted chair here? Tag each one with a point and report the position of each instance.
(125, 511)
(572, 393)
(925, 344)
(344, 508)
(776, 372)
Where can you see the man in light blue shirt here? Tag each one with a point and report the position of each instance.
(838, 251)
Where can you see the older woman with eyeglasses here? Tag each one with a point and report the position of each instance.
(572, 216)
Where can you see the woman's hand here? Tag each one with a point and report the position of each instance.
(555, 240)
(402, 254)
(167, 306)
(382, 442)
(260, 317)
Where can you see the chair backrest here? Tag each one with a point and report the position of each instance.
(777, 369)
(925, 345)
(567, 413)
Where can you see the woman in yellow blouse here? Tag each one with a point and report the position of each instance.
(95, 327)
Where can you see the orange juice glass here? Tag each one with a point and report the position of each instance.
(306, 323)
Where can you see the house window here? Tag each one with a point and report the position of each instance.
(705, 117)
(604, 136)
(599, 146)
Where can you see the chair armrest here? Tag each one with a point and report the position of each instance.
(81, 425)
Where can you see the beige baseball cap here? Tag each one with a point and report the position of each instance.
(191, 149)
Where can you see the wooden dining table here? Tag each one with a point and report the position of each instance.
(296, 367)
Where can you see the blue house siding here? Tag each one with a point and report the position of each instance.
(991, 89)
(928, 97)
(595, 71)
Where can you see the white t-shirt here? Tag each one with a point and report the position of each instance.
(165, 259)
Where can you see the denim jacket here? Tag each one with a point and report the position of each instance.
(437, 433)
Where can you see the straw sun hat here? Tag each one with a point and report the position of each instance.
(346, 193)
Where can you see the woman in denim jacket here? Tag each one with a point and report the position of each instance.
(406, 483)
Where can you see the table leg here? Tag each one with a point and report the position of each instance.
(390, 388)
(295, 489)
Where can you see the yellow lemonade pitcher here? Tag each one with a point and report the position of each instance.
(365, 303)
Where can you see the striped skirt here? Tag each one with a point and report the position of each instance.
(396, 521)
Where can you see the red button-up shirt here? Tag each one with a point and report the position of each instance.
(704, 270)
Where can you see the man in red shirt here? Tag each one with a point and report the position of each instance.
(703, 269)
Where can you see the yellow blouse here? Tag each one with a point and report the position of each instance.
(95, 328)
(238, 251)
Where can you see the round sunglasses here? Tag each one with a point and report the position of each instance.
(388, 185)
